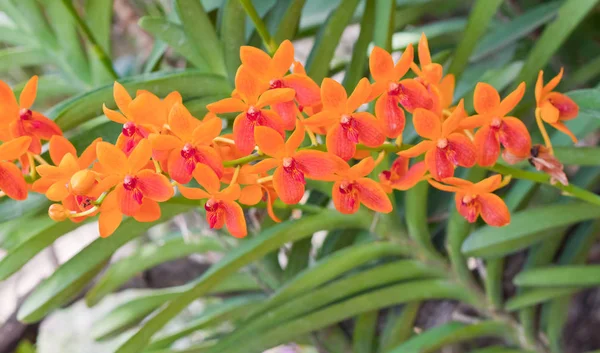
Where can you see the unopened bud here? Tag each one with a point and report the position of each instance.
(58, 212)
(82, 182)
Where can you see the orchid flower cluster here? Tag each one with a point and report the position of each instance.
(162, 147)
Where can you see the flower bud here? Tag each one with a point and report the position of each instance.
(82, 182)
(58, 212)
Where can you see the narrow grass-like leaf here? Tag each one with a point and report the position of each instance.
(358, 63)
(384, 27)
(585, 73)
(416, 218)
(11, 58)
(98, 16)
(232, 19)
(536, 296)
(363, 337)
(558, 276)
(398, 327)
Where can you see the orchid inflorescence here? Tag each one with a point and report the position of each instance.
(162, 146)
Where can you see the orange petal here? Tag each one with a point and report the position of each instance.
(122, 98)
(28, 93)
(290, 191)
(129, 200)
(59, 147)
(243, 134)
(514, 136)
(403, 65)
(154, 186)
(447, 90)
(488, 184)
(9, 109)
(338, 143)
(263, 166)
(12, 182)
(317, 164)
(271, 197)
(255, 60)
(345, 202)
(181, 122)
(148, 109)
(414, 95)
(308, 92)
(164, 142)
(140, 156)
(208, 156)
(566, 106)
(247, 86)
(44, 128)
(333, 95)
(114, 115)
(206, 132)
(553, 82)
(207, 178)
(148, 212)
(111, 158)
(462, 150)
(439, 164)
(88, 156)
(273, 96)
(427, 124)
(180, 168)
(487, 146)
(565, 130)
(391, 115)
(362, 168)
(288, 112)
(369, 129)
(424, 55)
(234, 219)
(15, 148)
(539, 86)
(295, 139)
(230, 193)
(381, 64)
(486, 98)
(371, 194)
(193, 193)
(360, 95)
(324, 119)
(171, 99)
(282, 59)
(417, 149)
(472, 122)
(511, 101)
(251, 195)
(227, 105)
(453, 122)
(493, 210)
(549, 113)
(269, 141)
(414, 175)
(109, 221)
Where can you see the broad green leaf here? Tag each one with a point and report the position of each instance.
(388, 296)
(398, 327)
(365, 326)
(73, 272)
(536, 296)
(358, 63)
(570, 14)
(416, 219)
(145, 258)
(73, 112)
(175, 36)
(298, 258)
(479, 20)
(197, 107)
(289, 21)
(10, 35)
(229, 309)
(15, 57)
(250, 250)
(558, 276)
(29, 13)
(337, 240)
(232, 18)
(344, 287)
(438, 337)
(507, 33)
(317, 65)
(12, 209)
(201, 33)
(583, 156)
(494, 269)
(401, 40)
(98, 16)
(526, 227)
(585, 73)
(384, 26)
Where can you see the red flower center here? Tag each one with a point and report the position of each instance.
(442, 143)
(211, 205)
(130, 182)
(346, 187)
(394, 89)
(213, 208)
(25, 114)
(469, 202)
(84, 202)
(385, 175)
(253, 114)
(291, 167)
(350, 127)
(188, 151)
(129, 129)
(275, 83)
(496, 123)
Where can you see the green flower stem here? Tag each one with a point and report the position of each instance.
(260, 26)
(104, 59)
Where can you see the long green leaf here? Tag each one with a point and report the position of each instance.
(399, 328)
(358, 63)
(536, 296)
(77, 110)
(479, 20)
(42, 300)
(289, 21)
(416, 219)
(558, 276)
(251, 250)
(99, 20)
(570, 15)
(384, 27)
(526, 228)
(233, 17)
(363, 337)
(147, 257)
(11, 58)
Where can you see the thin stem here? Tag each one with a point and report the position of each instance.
(236, 173)
(243, 160)
(30, 157)
(260, 26)
(40, 160)
(311, 135)
(104, 58)
(85, 213)
(157, 166)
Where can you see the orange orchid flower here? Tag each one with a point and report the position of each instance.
(293, 166)
(137, 191)
(17, 119)
(495, 127)
(140, 116)
(12, 182)
(221, 208)
(352, 188)
(553, 107)
(445, 148)
(345, 126)
(189, 144)
(273, 71)
(430, 76)
(400, 176)
(474, 199)
(393, 91)
(254, 96)
(70, 174)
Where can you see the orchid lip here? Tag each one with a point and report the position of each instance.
(129, 182)
(25, 114)
(188, 151)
